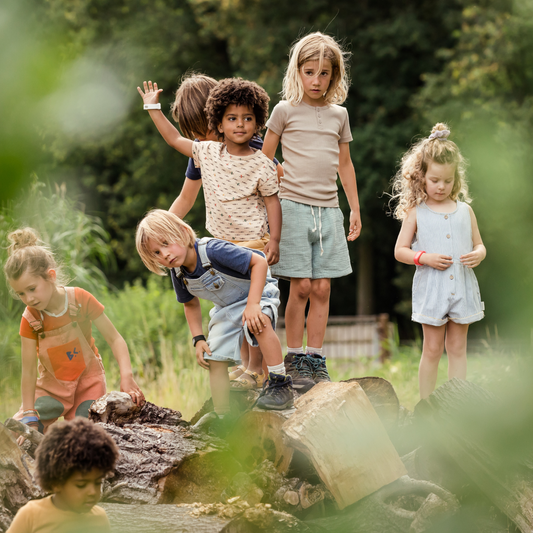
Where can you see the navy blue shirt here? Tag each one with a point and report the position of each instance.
(224, 256)
(194, 173)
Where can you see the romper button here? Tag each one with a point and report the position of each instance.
(446, 217)
(451, 277)
(216, 285)
(448, 236)
(453, 293)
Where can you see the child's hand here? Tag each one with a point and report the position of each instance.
(272, 252)
(437, 261)
(128, 385)
(355, 225)
(472, 259)
(254, 318)
(201, 347)
(151, 93)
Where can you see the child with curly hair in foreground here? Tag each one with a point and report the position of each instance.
(72, 462)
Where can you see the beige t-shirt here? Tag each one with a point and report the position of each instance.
(42, 516)
(233, 189)
(310, 138)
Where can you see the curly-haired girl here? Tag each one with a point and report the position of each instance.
(440, 236)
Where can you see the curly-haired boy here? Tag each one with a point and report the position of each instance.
(72, 462)
(240, 183)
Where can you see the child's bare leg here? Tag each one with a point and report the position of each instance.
(269, 344)
(317, 318)
(219, 380)
(255, 362)
(456, 349)
(300, 290)
(245, 354)
(431, 354)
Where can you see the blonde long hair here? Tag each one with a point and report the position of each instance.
(28, 253)
(313, 47)
(408, 187)
(161, 226)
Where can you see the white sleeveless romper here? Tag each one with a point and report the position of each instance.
(452, 294)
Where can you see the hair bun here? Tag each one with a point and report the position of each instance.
(440, 131)
(21, 238)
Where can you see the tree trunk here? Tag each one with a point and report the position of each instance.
(465, 422)
(199, 518)
(162, 464)
(16, 481)
(336, 426)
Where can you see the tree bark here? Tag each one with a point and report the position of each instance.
(162, 464)
(16, 478)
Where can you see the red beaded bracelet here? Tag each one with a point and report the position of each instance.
(417, 257)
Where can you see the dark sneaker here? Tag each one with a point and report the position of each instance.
(318, 364)
(277, 393)
(212, 424)
(300, 369)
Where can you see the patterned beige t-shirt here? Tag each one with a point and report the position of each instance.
(234, 188)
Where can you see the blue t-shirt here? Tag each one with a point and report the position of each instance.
(224, 256)
(194, 173)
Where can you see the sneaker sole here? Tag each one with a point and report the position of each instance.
(277, 407)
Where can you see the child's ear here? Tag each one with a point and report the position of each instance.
(52, 275)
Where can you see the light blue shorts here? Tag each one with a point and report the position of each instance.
(313, 243)
(226, 331)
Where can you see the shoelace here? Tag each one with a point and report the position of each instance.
(319, 367)
(273, 386)
(304, 366)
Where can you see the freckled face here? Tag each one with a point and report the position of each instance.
(439, 181)
(315, 82)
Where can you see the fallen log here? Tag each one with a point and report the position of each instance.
(236, 517)
(257, 437)
(16, 478)
(163, 464)
(119, 409)
(383, 398)
(462, 420)
(336, 427)
(404, 506)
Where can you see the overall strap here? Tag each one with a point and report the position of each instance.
(202, 251)
(73, 307)
(35, 323)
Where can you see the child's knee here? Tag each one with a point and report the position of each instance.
(301, 288)
(321, 289)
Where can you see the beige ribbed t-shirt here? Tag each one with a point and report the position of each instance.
(310, 138)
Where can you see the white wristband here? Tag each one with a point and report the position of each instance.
(152, 106)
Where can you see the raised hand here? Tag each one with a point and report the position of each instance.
(150, 95)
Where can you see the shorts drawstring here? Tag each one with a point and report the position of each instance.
(319, 226)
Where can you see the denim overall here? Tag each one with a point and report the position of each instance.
(230, 296)
(71, 375)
